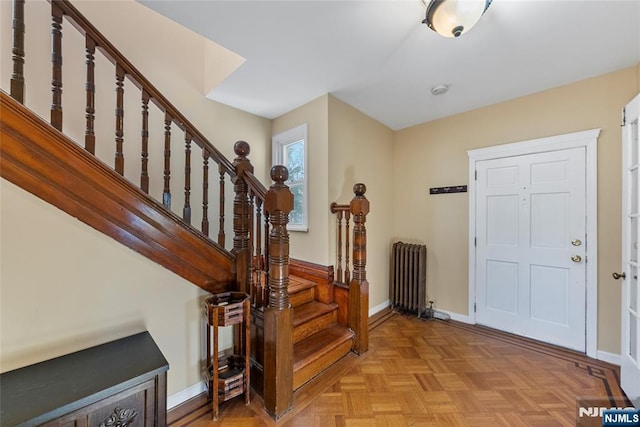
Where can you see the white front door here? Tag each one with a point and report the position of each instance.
(530, 246)
(630, 344)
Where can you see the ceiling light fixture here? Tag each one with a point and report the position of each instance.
(451, 18)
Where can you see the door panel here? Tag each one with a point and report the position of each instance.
(502, 220)
(502, 294)
(547, 230)
(630, 342)
(528, 211)
(550, 294)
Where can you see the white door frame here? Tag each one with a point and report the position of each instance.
(587, 139)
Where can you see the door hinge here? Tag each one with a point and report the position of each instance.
(475, 241)
(624, 116)
(475, 175)
(474, 307)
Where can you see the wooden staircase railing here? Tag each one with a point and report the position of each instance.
(353, 282)
(53, 167)
(149, 96)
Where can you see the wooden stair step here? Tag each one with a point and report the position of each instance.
(301, 291)
(319, 351)
(311, 317)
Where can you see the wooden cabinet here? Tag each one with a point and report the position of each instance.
(227, 377)
(121, 383)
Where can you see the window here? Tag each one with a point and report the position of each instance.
(289, 149)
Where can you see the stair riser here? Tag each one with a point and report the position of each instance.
(309, 328)
(303, 375)
(302, 297)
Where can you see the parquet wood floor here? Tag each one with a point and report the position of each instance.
(434, 373)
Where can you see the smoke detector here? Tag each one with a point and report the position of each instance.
(439, 89)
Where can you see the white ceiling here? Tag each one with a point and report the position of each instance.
(377, 56)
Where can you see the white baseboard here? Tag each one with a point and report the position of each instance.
(608, 357)
(186, 394)
(458, 317)
(377, 308)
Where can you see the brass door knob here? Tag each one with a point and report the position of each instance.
(619, 275)
(576, 258)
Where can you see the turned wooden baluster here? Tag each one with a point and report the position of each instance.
(205, 192)
(347, 268)
(343, 275)
(267, 274)
(259, 285)
(56, 61)
(250, 278)
(241, 215)
(17, 76)
(339, 243)
(221, 234)
(144, 155)
(166, 192)
(90, 109)
(119, 158)
(186, 211)
(278, 316)
(358, 286)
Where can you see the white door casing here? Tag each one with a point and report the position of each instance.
(587, 141)
(530, 277)
(630, 326)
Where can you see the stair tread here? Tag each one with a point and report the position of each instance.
(297, 284)
(305, 312)
(311, 348)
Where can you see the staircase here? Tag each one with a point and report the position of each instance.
(319, 340)
(303, 320)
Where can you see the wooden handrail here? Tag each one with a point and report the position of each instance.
(335, 207)
(123, 69)
(116, 58)
(255, 186)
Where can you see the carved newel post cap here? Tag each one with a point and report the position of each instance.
(279, 174)
(359, 204)
(279, 197)
(359, 189)
(241, 148)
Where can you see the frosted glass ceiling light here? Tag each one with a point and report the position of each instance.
(451, 18)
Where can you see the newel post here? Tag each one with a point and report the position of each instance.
(241, 218)
(278, 316)
(359, 287)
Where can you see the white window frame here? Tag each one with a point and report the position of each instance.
(278, 144)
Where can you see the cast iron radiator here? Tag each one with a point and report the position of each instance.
(408, 278)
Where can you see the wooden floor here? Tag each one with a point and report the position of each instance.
(434, 373)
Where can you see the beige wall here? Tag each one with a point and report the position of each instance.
(434, 154)
(312, 245)
(361, 150)
(65, 286)
(345, 147)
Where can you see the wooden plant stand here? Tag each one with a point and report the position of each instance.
(228, 377)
